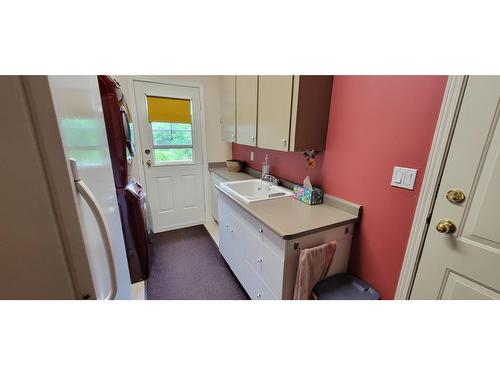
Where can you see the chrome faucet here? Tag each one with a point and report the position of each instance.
(269, 178)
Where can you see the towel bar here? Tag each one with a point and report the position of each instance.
(296, 245)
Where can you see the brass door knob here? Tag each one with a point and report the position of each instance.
(445, 226)
(455, 196)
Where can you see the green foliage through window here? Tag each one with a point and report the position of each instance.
(174, 154)
(167, 135)
(171, 134)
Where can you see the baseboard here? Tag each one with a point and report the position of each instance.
(180, 226)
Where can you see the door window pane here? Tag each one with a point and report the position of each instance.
(173, 154)
(165, 133)
(172, 142)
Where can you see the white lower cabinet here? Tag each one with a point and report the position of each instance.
(215, 180)
(264, 263)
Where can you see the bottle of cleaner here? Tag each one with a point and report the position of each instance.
(265, 166)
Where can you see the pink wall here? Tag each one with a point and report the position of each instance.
(376, 122)
(289, 166)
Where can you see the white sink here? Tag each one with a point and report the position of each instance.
(249, 191)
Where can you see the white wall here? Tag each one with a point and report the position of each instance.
(217, 150)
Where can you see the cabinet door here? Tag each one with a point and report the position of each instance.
(215, 207)
(228, 115)
(246, 110)
(255, 287)
(273, 120)
(310, 112)
(215, 196)
(231, 237)
(225, 235)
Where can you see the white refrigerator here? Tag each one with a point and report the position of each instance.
(60, 229)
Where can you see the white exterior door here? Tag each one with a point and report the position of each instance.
(464, 262)
(173, 159)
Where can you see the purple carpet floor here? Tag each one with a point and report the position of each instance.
(186, 264)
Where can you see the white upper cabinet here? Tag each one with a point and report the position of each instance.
(246, 110)
(284, 113)
(228, 113)
(310, 112)
(274, 111)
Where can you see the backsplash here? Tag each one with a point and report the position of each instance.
(289, 166)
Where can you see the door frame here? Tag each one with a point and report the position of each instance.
(138, 141)
(450, 107)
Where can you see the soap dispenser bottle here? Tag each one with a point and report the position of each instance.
(265, 166)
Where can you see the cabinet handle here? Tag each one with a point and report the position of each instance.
(259, 260)
(231, 231)
(226, 226)
(261, 231)
(259, 296)
(284, 141)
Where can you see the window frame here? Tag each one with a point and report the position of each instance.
(170, 147)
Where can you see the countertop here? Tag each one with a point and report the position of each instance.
(288, 217)
(230, 176)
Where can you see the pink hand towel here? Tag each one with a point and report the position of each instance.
(313, 267)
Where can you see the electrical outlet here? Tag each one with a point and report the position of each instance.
(252, 156)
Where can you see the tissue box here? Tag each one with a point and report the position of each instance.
(303, 194)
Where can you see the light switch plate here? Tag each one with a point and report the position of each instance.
(252, 156)
(404, 177)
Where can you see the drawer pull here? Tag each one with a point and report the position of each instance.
(261, 230)
(259, 260)
(231, 231)
(227, 225)
(259, 296)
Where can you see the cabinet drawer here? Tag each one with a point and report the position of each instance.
(255, 286)
(266, 262)
(264, 234)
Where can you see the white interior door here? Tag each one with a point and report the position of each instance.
(464, 262)
(173, 159)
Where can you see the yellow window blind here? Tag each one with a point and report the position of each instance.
(169, 110)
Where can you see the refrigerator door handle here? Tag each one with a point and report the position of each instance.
(91, 200)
